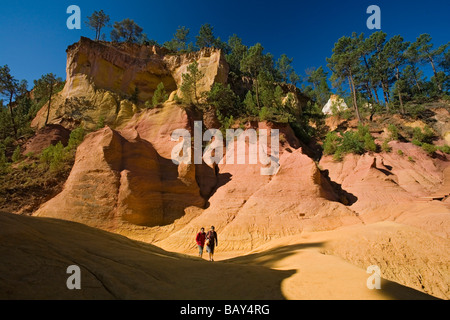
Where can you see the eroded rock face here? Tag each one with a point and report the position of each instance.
(45, 137)
(390, 186)
(211, 63)
(110, 82)
(117, 179)
(249, 209)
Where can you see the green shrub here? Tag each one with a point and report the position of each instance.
(148, 104)
(393, 132)
(415, 110)
(351, 143)
(399, 152)
(411, 159)
(425, 136)
(160, 95)
(338, 156)
(224, 100)
(8, 142)
(101, 123)
(429, 148)
(177, 99)
(428, 135)
(385, 147)
(369, 143)
(356, 142)
(362, 131)
(330, 144)
(416, 142)
(76, 137)
(226, 122)
(16, 155)
(265, 114)
(54, 156)
(417, 134)
(445, 149)
(3, 160)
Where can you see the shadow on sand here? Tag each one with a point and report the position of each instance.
(389, 289)
(270, 257)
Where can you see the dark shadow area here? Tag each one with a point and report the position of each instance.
(386, 172)
(183, 189)
(222, 179)
(344, 197)
(269, 257)
(115, 267)
(209, 180)
(158, 193)
(397, 291)
(439, 156)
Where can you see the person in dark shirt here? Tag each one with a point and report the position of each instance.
(211, 242)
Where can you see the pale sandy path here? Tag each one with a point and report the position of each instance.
(323, 276)
(35, 253)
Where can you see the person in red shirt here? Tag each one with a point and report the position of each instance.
(200, 239)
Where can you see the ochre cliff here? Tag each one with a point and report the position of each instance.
(110, 82)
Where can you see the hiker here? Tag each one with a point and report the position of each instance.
(211, 242)
(200, 239)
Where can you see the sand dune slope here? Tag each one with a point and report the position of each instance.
(35, 253)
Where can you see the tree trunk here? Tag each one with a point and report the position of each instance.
(257, 93)
(402, 108)
(415, 78)
(49, 102)
(376, 94)
(369, 91)
(352, 86)
(12, 115)
(435, 73)
(386, 99)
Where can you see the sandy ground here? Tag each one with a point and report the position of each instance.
(320, 274)
(35, 253)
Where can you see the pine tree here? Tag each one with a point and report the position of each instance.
(413, 58)
(344, 63)
(160, 95)
(205, 36)
(224, 100)
(284, 67)
(97, 21)
(393, 51)
(179, 40)
(253, 63)
(44, 88)
(10, 88)
(236, 54)
(190, 84)
(380, 72)
(126, 30)
(429, 55)
(320, 89)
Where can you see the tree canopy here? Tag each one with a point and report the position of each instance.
(126, 30)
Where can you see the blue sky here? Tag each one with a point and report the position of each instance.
(34, 36)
